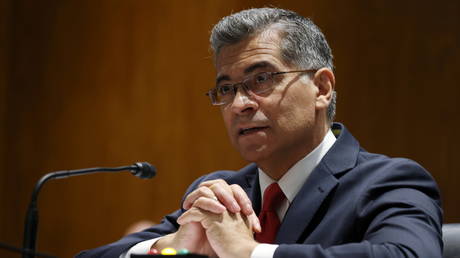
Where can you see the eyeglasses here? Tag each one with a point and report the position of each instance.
(255, 84)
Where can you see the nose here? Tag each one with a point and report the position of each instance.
(243, 102)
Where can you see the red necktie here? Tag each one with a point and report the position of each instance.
(269, 221)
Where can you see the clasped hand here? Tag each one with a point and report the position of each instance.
(219, 222)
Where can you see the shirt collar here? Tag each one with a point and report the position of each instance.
(296, 176)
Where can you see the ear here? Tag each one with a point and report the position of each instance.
(324, 81)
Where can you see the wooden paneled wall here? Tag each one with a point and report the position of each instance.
(5, 27)
(105, 83)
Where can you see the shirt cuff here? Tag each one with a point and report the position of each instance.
(140, 248)
(264, 251)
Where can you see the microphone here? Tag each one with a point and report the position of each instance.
(140, 169)
(144, 170)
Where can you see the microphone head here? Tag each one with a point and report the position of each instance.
(144, 170)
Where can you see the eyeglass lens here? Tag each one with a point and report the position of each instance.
(256, 84)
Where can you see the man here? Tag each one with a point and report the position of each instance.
(315, 191)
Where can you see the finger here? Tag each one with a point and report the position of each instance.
(212, 182)
(202, 191)
(192, 215)
(208, 204)
(245, 219)
(255, 223)
(224, 193)
(246, 207)
(242, 199)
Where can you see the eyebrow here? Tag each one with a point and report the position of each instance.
(250, 69)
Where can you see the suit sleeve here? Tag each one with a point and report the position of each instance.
(399, 213)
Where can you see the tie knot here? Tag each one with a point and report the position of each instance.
(273, 196)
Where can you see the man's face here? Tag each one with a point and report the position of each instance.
(281, 120)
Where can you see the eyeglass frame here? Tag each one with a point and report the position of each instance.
(212, 92)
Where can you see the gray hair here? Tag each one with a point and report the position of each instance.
(303, 44)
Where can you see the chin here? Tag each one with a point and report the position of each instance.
(254, 154)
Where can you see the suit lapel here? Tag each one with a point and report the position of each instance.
(340, 158)
(305, 204)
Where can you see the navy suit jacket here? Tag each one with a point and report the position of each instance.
(354, 204)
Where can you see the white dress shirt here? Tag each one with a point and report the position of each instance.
(290, 184)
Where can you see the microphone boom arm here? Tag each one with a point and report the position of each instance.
(140, 169)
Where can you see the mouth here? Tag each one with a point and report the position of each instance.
(251, 130)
